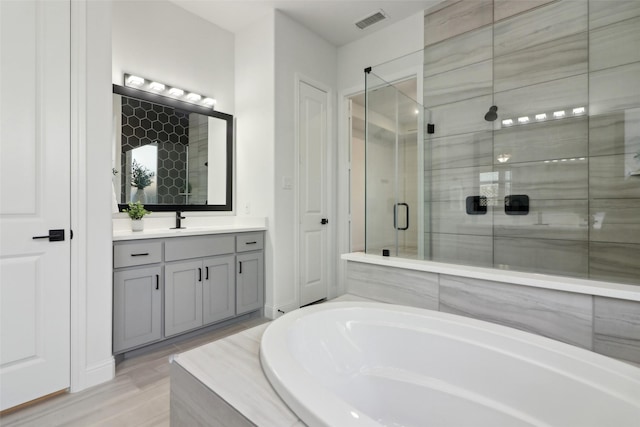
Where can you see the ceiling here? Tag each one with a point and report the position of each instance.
(331, 19)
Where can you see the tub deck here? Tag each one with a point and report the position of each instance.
(222, 384)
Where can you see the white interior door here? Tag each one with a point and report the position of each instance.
(34, 198)
(312, 196)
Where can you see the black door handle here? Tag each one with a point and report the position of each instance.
(53, 236)
(395, 214)
(324, 221)
(157, 282)
(206, 273)
(199, 275)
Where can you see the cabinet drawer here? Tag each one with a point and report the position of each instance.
(138, 253)
(249, 242)
(197, 247)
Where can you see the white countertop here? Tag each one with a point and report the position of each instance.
(560, 283)
(194, 225)
(156, 233)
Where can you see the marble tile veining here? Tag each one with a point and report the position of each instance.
(615, 133)
(614, 89)
(232, 368)
(545, 97)
(555, 59)
(547, 219)
(463, 83)
(559, 139)
(505, 8)
(462, 117)
(615, 261)
(605, 12)
(559, 315)
(417, 289)
(462, 249)
(460, 51)
(541, 180)
(612, 177)
(615, 220)
(547, 256)
(466, 150)
(614, 45)
(451, 217)
(456, 19)
(457, 184)
(617, 328)
(550, 22)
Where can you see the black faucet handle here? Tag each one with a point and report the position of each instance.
(179, 215)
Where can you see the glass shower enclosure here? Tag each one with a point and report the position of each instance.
(394, 182)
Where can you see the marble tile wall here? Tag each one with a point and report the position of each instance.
(563, 316)
(582, 174)
(605, 325)
(418, 289)
(616, 328)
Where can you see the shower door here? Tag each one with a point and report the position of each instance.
(393, 156)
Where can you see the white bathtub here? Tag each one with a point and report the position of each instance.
(371, 364)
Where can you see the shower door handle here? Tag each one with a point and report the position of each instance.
(395, 216)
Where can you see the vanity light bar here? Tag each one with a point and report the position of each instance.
(541, 117)
(157, 86)
(138, 82)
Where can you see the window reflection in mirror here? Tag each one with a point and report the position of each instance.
(142, 165)
(171, 155)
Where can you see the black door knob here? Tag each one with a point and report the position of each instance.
(53, 236)
(324, 221)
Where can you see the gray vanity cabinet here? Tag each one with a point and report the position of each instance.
(182, 296)
(194, 285)
(249, 272)
(165, 287)
(197, 293)
(218, 293)
(137, 303)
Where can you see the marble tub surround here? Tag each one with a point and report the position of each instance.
(556, 307)
(581, 173)
(222, 384)
(563, 316)
(159, 225)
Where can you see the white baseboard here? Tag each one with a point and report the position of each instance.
(96, 374)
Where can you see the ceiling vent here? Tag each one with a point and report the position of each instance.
(371, 19)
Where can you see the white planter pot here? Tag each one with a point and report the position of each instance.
(137, 224)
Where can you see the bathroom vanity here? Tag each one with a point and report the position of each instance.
(170, 283)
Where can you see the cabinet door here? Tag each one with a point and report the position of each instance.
(249, 282)
(182, 296)
(136, 307)
(218, 296)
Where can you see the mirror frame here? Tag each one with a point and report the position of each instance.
(192, 108)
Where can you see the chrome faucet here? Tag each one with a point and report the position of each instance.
(179, 218)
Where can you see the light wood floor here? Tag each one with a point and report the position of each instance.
(137, 396)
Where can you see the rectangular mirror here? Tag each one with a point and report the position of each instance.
(169, 154)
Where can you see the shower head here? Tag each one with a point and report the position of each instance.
(491, 115)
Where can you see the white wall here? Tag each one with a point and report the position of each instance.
(402, 38)
(162, 41)
(299, 54)
(255, 132)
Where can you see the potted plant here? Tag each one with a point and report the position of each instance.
(140, 178)
(136, 212)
